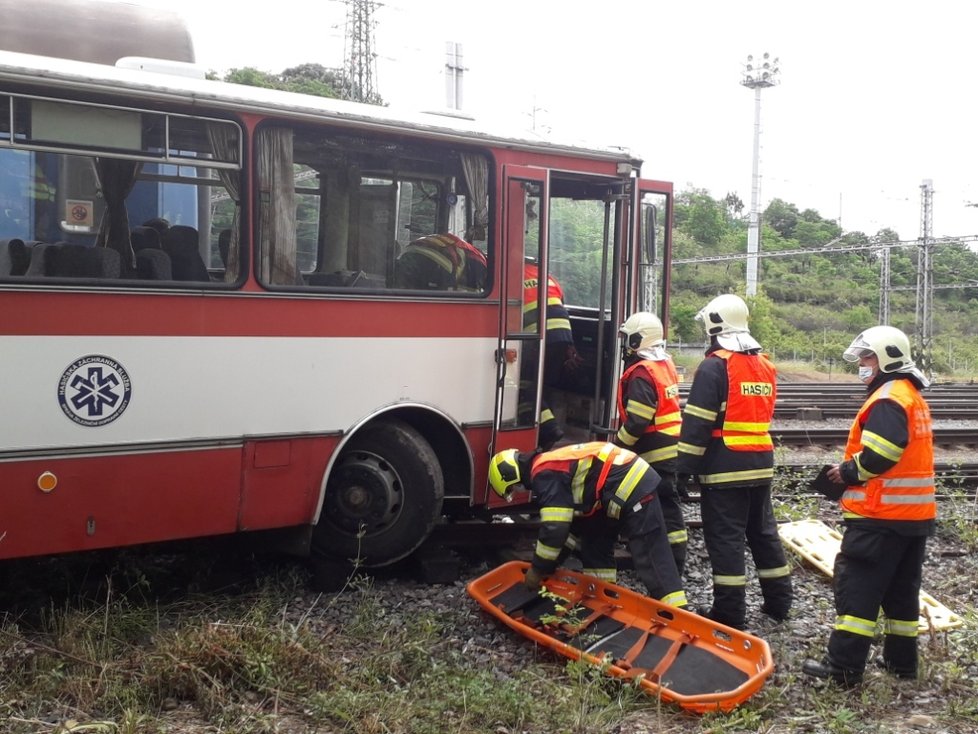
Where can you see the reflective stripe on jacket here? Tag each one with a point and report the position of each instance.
(906, 491)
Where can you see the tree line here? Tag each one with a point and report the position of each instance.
(811, 305)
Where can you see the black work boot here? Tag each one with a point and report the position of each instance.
(712, 614)
(826, 670)
(903, 673)
(775, 613)
(900, 656)
(778, 595)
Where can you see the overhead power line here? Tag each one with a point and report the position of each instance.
(825, 249)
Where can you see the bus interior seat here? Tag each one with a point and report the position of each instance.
(181, 243)
(153, 264)
(64, 260)
(15, 256)
(38, 265)
(145, 237)
(82, 261)
(224, 245)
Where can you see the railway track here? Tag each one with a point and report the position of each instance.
(953, 478)
(946, 437)
(823, 401)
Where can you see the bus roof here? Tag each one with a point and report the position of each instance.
(93, 30)
(67, 74)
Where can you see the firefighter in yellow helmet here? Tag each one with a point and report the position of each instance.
(725, 446)
(889, 510)
(588, 495)
(441, 262)
(649, 415)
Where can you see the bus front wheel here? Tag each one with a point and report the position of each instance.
(383, 497)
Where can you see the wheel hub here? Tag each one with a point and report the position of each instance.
(364, 494)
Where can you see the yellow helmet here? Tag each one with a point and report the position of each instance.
(504, 473)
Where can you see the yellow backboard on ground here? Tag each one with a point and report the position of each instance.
(819, 544)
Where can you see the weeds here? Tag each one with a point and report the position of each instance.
(267, 656)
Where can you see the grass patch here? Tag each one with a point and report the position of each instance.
(268, 655)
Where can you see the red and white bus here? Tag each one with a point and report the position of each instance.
(211, 321)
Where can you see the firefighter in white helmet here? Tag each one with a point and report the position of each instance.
(649, 415)
(588, 495)
(725, 447)
(889, 510)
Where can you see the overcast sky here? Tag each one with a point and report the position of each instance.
(874, 97)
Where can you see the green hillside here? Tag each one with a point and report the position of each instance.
(809, 306)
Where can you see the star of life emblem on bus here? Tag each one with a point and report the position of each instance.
(94, 390)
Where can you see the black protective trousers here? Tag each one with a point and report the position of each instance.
(672, 513)
(877, 568)
(736, 518)
(643, 528)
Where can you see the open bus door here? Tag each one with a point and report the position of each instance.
(519, 355)
(652, 222)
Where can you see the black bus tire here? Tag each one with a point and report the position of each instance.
(383, 497)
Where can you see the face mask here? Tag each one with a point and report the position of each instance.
(866, 374)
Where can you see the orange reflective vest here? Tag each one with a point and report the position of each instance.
(558, 319)
(751, 392)
(588, 465)
(906, 491)
(662, 374)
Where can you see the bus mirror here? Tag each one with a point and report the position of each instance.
(649, 230)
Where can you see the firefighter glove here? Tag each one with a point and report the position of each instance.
(572, 360)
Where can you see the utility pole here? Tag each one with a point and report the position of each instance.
(884, 308)
(359, 59)
(454, 69)
(925, 277)
(758, 74)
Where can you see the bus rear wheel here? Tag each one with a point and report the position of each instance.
(383, 497)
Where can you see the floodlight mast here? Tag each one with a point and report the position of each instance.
(925, 278)
(758, 74)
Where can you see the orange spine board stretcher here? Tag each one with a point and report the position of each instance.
(675, 655)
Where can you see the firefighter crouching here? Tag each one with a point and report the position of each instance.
(725, 446)
(649, 416)
(588, 495)
(889, 509)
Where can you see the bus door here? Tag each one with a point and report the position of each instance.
(588, 249)
(652, 223)
(519, 356)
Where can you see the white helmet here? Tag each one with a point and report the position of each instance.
(642, 331)
(725, 317)
(890, 345)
